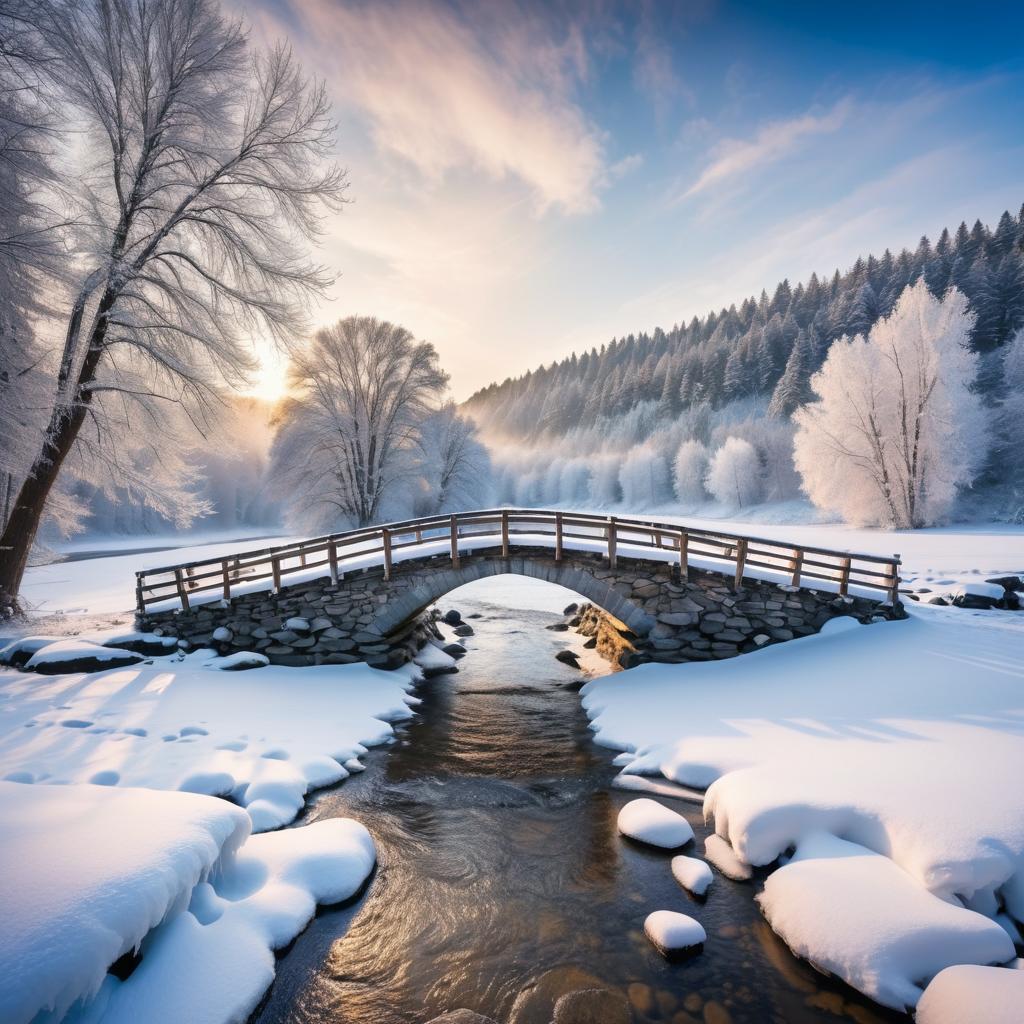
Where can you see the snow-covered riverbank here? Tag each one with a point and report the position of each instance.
(101, 852)
(872, 735)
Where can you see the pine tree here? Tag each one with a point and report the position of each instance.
(793, 389)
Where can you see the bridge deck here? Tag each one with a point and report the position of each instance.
(503, 530)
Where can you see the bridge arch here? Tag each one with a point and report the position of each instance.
(433, 584)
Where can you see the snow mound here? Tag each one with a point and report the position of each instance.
(17, 652)
(692, 874)
(968, 994)
(856, 914)
(672, 932)
(77, 655)
(724, 857)
(168, 873)
(137, 856)
(650, 822)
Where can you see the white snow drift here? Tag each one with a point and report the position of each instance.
(91, 873)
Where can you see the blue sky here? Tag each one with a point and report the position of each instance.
(529, 179)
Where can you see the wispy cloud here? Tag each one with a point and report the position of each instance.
(736, 158)
(490, 95)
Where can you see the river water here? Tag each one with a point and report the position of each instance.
(501, 881)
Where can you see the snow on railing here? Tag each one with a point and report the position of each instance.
(443, 536)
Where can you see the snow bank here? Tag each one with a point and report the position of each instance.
(973, 995)
(873, 733)
(263, 737)
(856, 914)
(173, 873)
(649, 822)
(724, 857)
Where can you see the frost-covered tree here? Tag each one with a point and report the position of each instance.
(734, 473)
(644, 478)
(28, 245)
(1008, 440)
(604, 480)
(896, 428)
(455, 466)
(349, 437)
(689, 468)
(205, 168)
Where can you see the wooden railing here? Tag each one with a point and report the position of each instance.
(730, 554)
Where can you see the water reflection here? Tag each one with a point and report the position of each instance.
(502, 884)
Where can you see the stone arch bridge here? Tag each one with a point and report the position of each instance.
(674, 593)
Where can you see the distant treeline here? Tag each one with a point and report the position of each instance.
(766, 346)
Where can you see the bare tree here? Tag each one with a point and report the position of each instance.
(348, 438)
(455, 465)
(207, 169)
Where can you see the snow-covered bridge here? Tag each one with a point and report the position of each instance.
(685, 593)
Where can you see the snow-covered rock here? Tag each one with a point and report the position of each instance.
(238, 661)
(17, 652)
(858, 915)
(724, 857)
(968, 994)
(433, 660)
(674, 933)
(222, 634)
(298, 624)
(650, 822)
(692, 874)
(175, 873)
(78, 655)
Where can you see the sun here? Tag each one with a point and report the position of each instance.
(270, 381)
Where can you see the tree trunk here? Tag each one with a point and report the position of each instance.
(21, 528)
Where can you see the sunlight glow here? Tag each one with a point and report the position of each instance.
(270, 380)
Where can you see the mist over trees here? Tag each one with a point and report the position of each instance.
(743, 372)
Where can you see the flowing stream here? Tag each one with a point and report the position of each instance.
(502, 882)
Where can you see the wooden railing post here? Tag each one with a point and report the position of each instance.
(454, 531)
(302, 556)
(385, 536)
(275, 568)
(894, 581)
(504, 533)
(558, 536)
(684, 554)
(797, 566)
(332, 558)
(612, 543)
(844, 576)
(419, 535)
(182, 593)
(227, 579)
(741, 561)
(140, 601)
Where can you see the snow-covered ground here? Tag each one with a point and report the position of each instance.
(880, 764)
(102, 585)
(91, 873)
(263, 737)
(903, 739)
